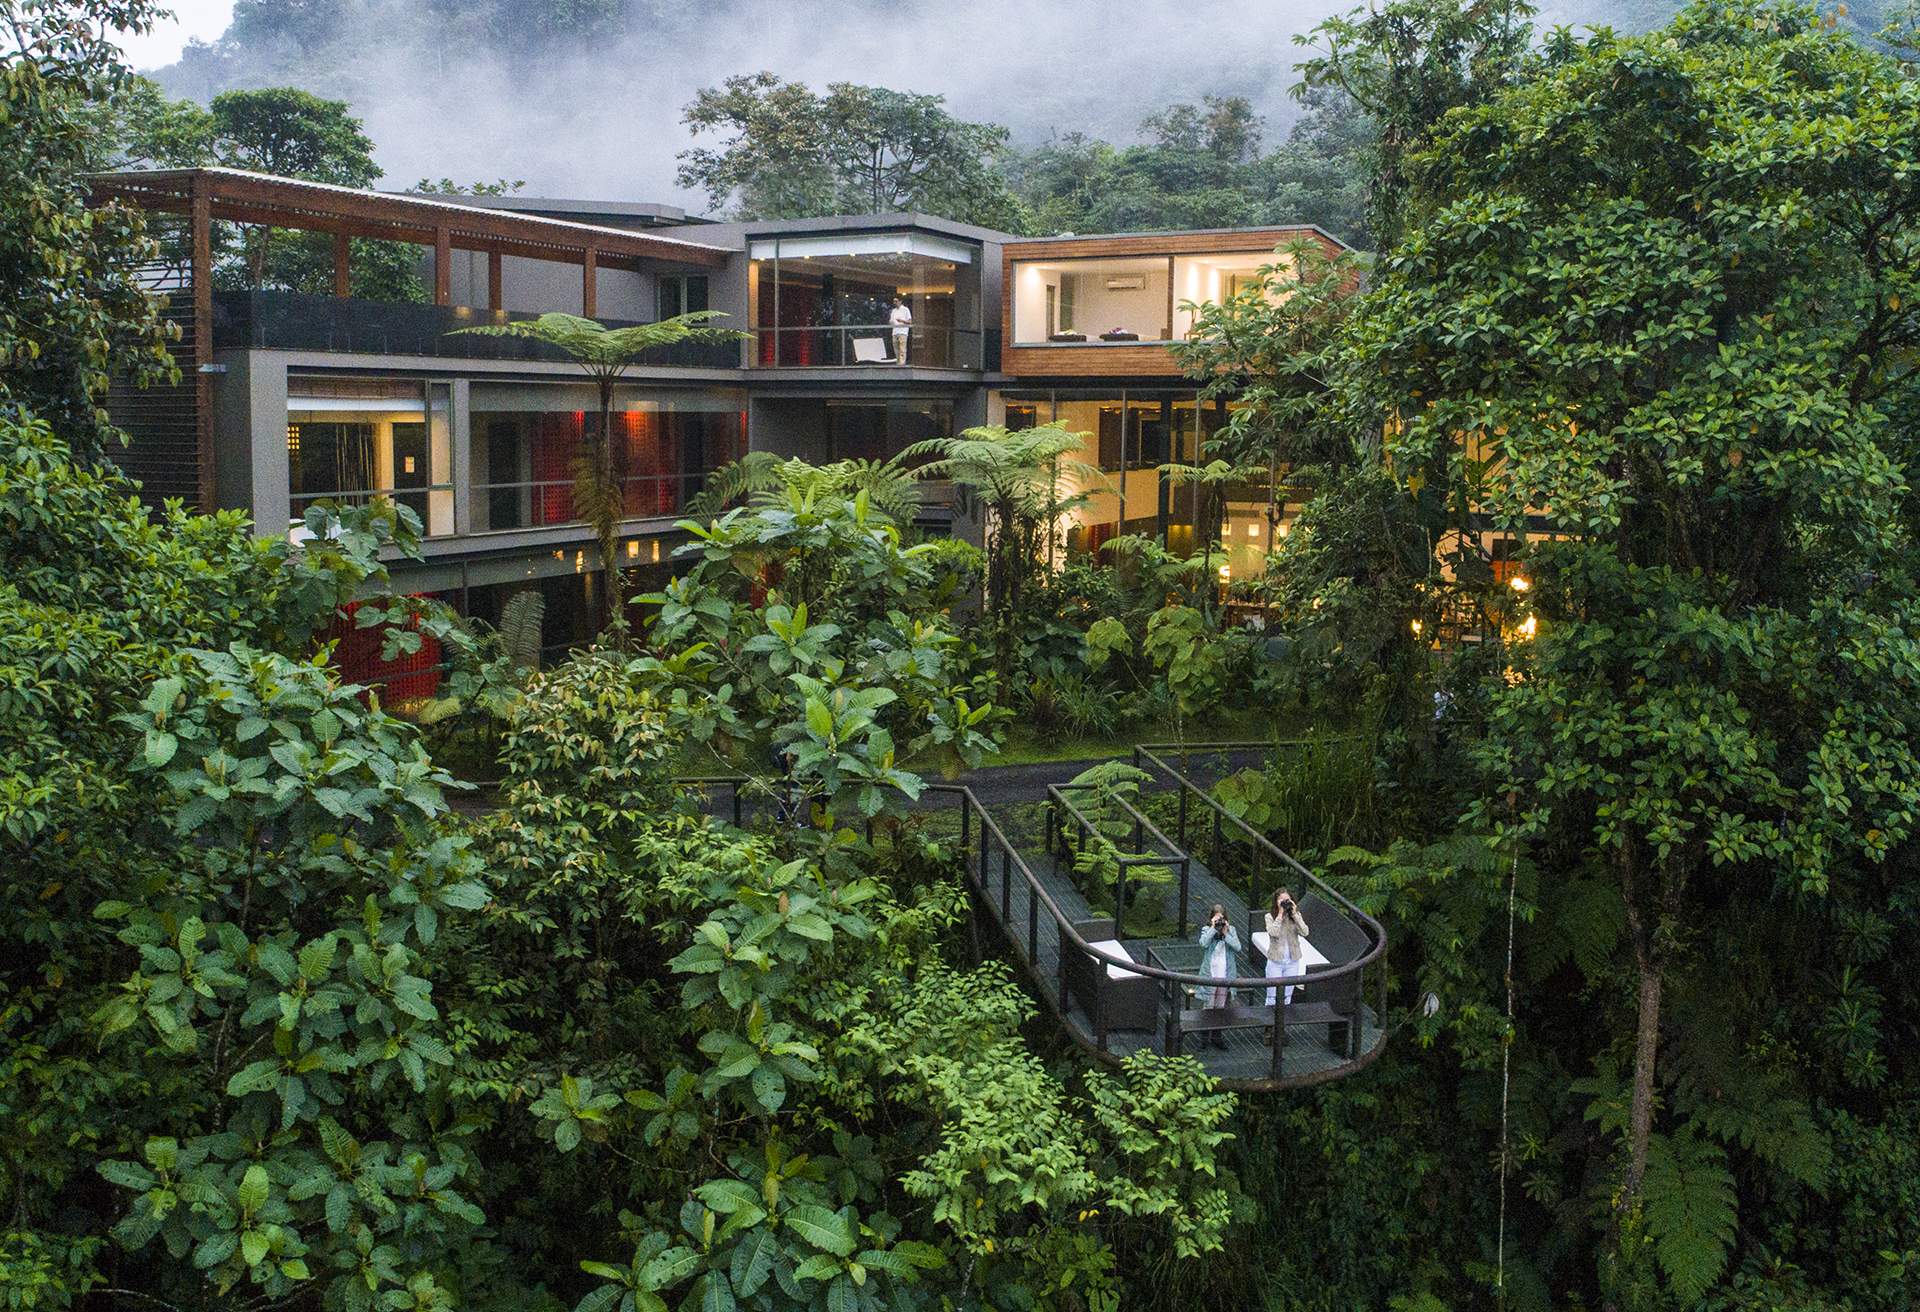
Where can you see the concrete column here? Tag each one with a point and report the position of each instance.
(462, 457)
(272, 470)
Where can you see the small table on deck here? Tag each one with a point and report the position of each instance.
(1240, 1013)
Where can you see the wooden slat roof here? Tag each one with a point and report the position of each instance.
(295, 203)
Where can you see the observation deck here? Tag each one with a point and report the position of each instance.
(1122, 971)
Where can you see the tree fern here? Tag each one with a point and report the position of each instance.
(605, 354)
(761, 476)
(521, 624)
(1690, 1211)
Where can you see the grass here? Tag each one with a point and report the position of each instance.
(1022, 746)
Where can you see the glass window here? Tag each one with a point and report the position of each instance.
(880, 430)
(665, 444)
(352, 440)
(1092, 301)
(682, 294)
(1128, 436)
(885, 299)
(1217, 278)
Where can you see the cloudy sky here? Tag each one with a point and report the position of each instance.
(205, 19)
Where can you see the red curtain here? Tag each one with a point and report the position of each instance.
(652, 462)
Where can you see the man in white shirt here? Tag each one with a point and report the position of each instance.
(901, 321)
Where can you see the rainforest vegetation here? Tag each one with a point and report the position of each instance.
(282, 1026)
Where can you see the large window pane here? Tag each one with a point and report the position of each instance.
(1109, 301)
(866, 300)
(350, 441)
(526, 450)
(1216, 278)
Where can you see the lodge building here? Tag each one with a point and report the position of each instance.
(287, 398)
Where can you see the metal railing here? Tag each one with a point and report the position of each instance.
(989, 859)
(1171, 857)
(544, 502)
(305, 321)
(870, 343)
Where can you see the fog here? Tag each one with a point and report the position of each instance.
(605, 123)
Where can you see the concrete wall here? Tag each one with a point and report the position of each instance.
(251, 398)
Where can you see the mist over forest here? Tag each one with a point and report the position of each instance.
(583, 97)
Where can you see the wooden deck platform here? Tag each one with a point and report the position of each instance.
(1246, 1061)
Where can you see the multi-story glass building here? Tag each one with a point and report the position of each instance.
(863, 334)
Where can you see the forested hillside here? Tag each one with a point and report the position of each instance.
(1637, 798)
(584, 97)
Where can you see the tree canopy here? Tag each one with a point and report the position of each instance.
(786, 151)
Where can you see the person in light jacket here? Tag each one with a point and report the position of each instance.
(1286, 930)
(1220, 947)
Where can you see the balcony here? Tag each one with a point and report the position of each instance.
(297, 321)
(868, 344)
(550, 503)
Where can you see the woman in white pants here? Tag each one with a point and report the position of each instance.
(1286, 929)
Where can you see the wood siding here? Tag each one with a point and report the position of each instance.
(1113, 360)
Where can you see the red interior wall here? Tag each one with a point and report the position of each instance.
(357, 657)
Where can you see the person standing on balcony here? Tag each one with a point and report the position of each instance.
(1286, 930)
(900, 320)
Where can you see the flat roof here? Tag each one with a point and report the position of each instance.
(241, 196)
(1181, 232)
(577, 209)
(887, 221)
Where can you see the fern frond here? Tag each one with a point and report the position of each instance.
(521, 623)
(1690, 1210)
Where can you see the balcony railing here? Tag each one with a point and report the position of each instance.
(267, 320)
(867, 344)
(545, 503)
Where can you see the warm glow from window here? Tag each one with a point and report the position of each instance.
(1253, 530)
(633, 548)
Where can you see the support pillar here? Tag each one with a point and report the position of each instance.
(200, 219)
(442, 267)
(342, 267)
(494, 263)
(589, 280)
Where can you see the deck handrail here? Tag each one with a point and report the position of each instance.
(1174, 857)
(1374, 929)
(1064, 923)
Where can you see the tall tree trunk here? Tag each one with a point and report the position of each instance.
(613, 609)
(1646, 1044)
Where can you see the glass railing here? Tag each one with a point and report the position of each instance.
(545, 503)
(867, 344)
(267, 320)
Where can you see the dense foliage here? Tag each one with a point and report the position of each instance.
(279, 1027)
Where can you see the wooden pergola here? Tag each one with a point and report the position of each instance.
(203, 195)
(238, 196)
